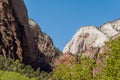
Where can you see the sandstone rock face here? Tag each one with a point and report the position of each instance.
(21, 38)
(11, 35)
(44, 42)
(44, 47)
(90, 40)
(16, 38)
(108, 30)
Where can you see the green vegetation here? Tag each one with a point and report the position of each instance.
(84, 69)
(111, 70)
(5, 75)
(15, 66)
(80, 69)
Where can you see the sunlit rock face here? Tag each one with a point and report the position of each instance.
(108, 30)
(90, 39)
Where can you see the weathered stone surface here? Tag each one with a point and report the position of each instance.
(21, 38)
(44, 47)
(90, 40)
(10, 33)
(108, 30)
(43, 41)
(86, 40)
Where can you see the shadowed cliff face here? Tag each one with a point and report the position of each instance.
(44, 47)
(11, 35)
(16, 38)
(21, 38)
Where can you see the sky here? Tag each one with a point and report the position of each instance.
(60, 19)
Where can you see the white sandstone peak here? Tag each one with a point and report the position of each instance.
(108, 30)
(89, 37)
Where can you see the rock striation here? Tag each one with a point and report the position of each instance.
(21, 38)
(12, 29)
(90, 40)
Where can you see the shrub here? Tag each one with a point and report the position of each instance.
(5, 75)
(7, 64)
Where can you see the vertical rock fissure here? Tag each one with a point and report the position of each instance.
(10, 41)
(22, 40)
(23, 48)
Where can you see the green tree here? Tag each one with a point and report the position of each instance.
(81, 71)
(7, 64)
(111, 70)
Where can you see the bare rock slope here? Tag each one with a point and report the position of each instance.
(90, 40)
